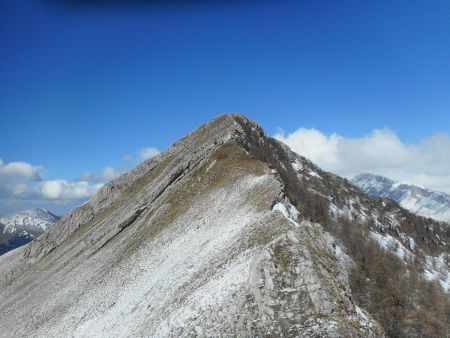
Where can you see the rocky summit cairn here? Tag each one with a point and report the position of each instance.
(202, 240)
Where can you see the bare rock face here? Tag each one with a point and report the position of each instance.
(201, 240)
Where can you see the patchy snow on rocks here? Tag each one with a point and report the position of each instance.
(390, 243)
(290, 212)
(437, 268)
(297, 165)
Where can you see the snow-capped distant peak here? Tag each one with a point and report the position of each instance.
(373, 184)
(419, 200)
(33, 221)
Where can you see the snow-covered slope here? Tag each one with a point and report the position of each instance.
(422, 201)
(20, 228)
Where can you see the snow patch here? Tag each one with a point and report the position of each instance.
(314, 174)
(290, 212)
(363, 318)
(297, 166)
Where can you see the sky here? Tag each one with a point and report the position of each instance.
(88, 89)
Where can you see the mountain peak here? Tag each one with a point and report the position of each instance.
(417, 199)
(365, 176)
(226, 233)
(21, 227)
(202, 233)
(183, 156)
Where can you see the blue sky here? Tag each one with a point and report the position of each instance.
(85, 87)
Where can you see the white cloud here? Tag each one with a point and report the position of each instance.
(64, 190)
(146, 153)
(107, 174)
(23, 184)
(21, 181)
(22, 170)
(19, 189)
(128, 157)
(142, 155)
(55, 190)
(382, 152)
(312, 144)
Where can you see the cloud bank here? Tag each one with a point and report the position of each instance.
(20, 170)
(106, 175)
(24, 185)
(64, 190)
(146, 153)
(426, 163)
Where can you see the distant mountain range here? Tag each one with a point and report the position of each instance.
(20, 228)
(421, 201)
